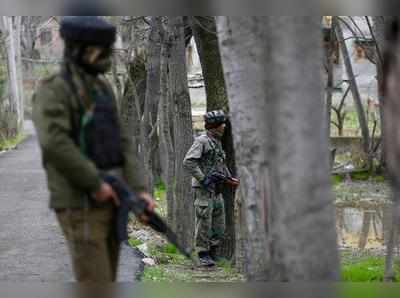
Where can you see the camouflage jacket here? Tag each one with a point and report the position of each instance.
(70, 175)
(205, 155)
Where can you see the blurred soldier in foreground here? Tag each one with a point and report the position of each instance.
(205, 161)
(78, 127)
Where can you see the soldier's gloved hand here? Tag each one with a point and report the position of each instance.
(206, 183)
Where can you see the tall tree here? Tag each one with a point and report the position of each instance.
(152, 98)
(330, 53)
(165, 127)
(379, 34)
(205, 34)
(183, 132)
(11, 26)
(391, 91)
(281, 147)
(132, 101)
(354, 87)
(29, 38)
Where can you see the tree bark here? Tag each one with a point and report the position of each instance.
(330, 79)
(340, 225)
(149, 122)
(183, 132)
(366, 224)
(18, 31)
(204, 31)
(379, 31)
(391, 92)
(245, 78)
(166, 141)
(132, 102)
(393, 240)
(281, 148)
(16, 102)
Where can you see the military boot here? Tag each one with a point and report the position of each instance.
(205, 259)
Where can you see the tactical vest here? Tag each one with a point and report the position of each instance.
(214, 158)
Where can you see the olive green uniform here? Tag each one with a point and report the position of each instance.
(87, 226)
(206, 155)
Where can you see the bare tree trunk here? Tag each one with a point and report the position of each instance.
(330, 78)
(205, 35)
(281, 148)
(149, 122)
(183, 132)
(132, 102)
(245, 78)
(118, 87)
(387, 218)
(391, 122)
(366, 223)
(28, 40)
(204, 31)
(299, 145)
(241, 236)
(354, 88)
(18, 32)
(393, 239)
(15, 92)
(166, 141)
(375, 227)
(340, 225)
(379, 31)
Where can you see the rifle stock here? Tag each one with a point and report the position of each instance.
(129, 201)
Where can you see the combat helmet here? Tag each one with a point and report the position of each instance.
(91, 30)
(214, 118)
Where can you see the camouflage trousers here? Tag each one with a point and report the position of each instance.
(210, 219)
(91, 243)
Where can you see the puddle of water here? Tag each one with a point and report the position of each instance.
(363, 227)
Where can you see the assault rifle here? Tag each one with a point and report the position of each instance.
(129, 201)
(215, 179)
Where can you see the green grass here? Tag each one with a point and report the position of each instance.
(134, 242)
(357, 176)
(6, 144)
(369, 269)
(160, 197)
(361, 176)
(159, 191)
(351, 122)
(163, 274)
(169, 249)
(226, 265)
(379, 178)
(156, 273)
(336, 179)
(167, 254)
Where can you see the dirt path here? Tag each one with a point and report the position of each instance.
(32, 247)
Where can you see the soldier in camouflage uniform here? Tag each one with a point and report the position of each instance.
(64, 107)
(206, 155)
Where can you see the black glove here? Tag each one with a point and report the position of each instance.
(207, 183)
